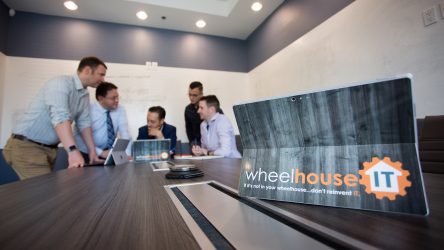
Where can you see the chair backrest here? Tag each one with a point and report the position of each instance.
(7, 174)
(178, 147)
(431, 144)
(419, 122)
(184, 149)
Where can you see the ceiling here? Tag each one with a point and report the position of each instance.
(227, 18)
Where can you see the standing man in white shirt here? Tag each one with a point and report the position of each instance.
(108, 121)
(216, 130)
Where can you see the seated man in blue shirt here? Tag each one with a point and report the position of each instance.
(157, 128)
(216, 130)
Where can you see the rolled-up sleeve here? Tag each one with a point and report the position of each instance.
(56, 99)
(84, 119)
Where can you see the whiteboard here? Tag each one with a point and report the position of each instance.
(140, 87)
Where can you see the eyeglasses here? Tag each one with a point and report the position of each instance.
(114, 98)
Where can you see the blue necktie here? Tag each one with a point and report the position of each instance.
(110, 130)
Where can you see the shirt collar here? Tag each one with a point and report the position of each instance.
(215, 116)
(102, 109)
(78, 83)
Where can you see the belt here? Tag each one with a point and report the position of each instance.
(24, 138)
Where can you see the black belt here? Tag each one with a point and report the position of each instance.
(23, 138)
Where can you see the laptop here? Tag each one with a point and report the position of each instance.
(151, 150)
(117, 154)
(352, 147)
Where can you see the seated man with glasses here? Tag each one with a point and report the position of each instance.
(108, 120)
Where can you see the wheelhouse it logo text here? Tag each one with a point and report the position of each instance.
(383, 178)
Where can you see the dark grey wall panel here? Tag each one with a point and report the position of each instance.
(44, 36)
(292, 20)
(4, 20)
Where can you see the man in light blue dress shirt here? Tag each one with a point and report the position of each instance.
(216, 130)
(31, 150)
(107, 98)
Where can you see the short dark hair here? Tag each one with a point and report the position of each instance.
(159, 110)
(103, 88)
(196, 84)
(90, 61)
(211, 101)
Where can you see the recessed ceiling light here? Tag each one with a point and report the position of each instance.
(142, 15)
(256, 6)
(201, 24)
(70, 5)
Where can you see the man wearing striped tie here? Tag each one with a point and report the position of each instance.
(108, 119)
(63, 101)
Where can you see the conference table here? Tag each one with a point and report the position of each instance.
(128, 207)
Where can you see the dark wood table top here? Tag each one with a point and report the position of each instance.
(126, 207)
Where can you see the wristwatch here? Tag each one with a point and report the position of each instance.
(72, 148)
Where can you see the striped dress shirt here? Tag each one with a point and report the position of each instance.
(61, 98)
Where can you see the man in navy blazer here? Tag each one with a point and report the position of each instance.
(157, 128)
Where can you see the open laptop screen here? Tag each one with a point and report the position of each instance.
(151, 150)
(117, 154)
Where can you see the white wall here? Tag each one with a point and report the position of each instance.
(367, 40)
(140, 87)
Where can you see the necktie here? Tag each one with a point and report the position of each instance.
(110, 130)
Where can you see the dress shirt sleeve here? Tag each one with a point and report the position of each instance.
(57, 101)
(224, 132)
(203, 133)
(98, 151)
(84, 119)
(122, 129)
